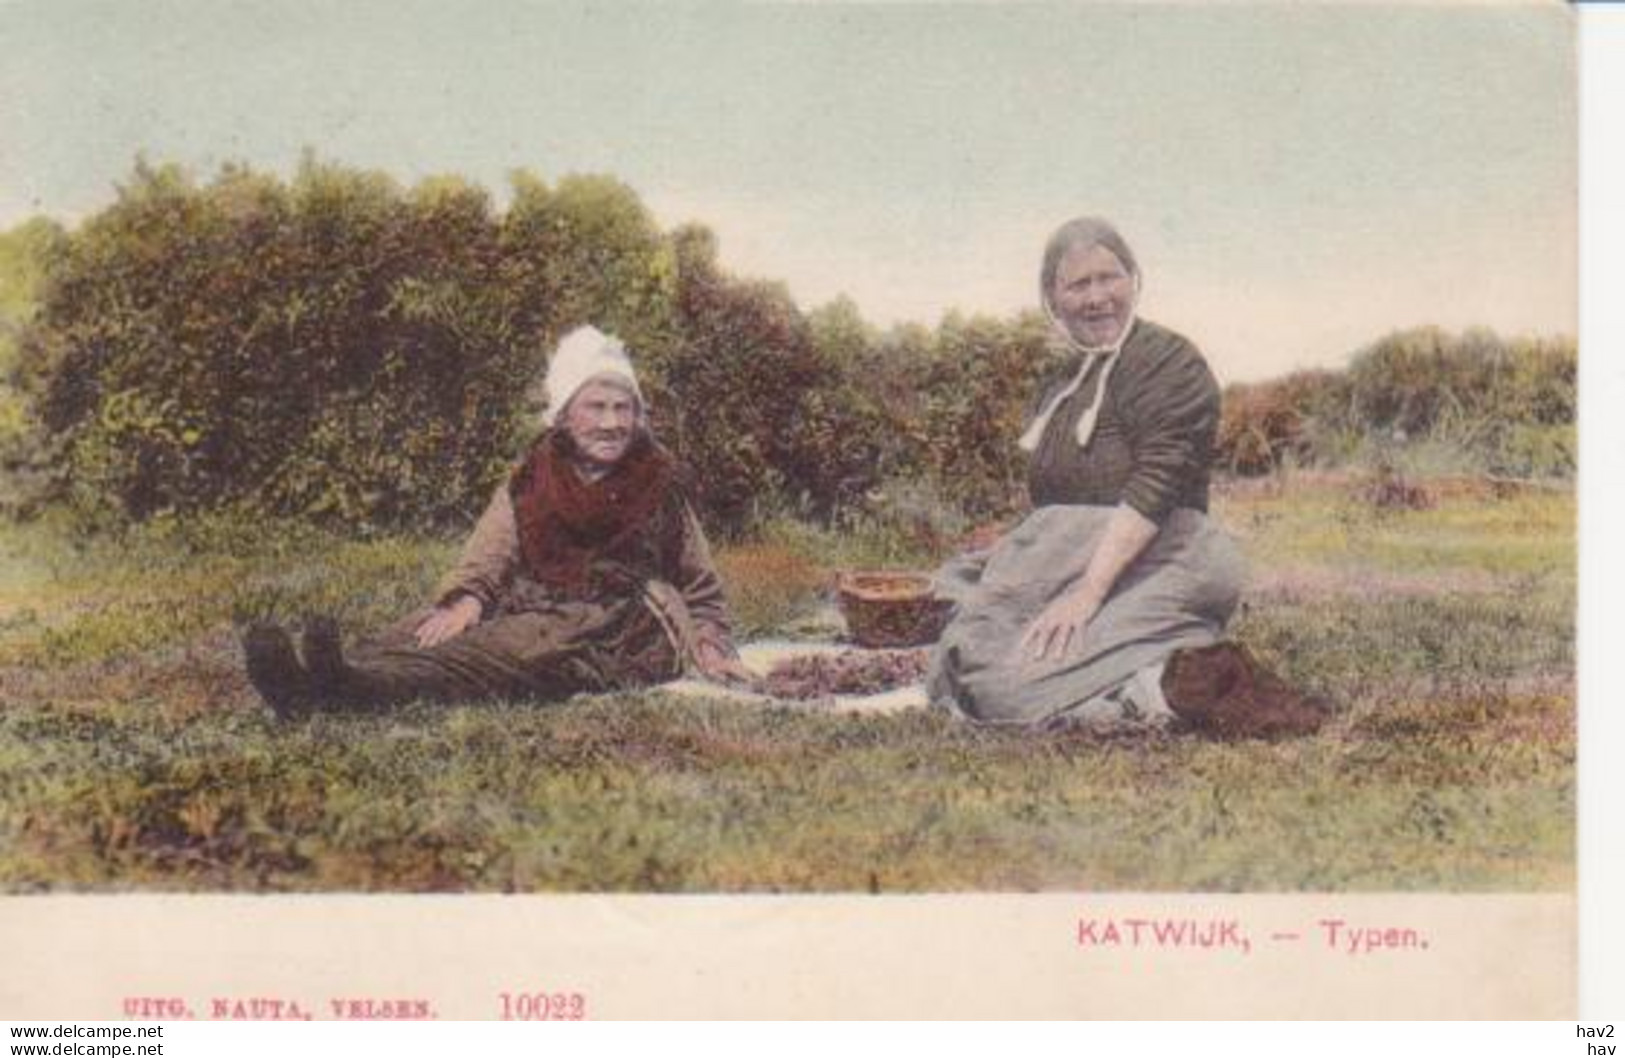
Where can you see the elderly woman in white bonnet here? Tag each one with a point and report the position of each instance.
(588, 571)
(1075, 615)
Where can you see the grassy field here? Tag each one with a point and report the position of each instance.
(133, 754)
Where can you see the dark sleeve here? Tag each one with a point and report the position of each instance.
(1172, 409)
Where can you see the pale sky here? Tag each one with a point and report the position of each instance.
(1296, 180)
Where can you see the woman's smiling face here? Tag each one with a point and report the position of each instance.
(1093, 295)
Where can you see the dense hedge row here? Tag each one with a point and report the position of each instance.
(341, 349)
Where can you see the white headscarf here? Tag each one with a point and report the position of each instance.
(582, 355)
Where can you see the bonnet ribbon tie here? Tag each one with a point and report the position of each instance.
(1086, 422)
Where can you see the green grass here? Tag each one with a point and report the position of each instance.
(1330, 526)
(636, 794)
(133, 754)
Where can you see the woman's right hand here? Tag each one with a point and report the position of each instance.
(1059, 628)
(449, 621)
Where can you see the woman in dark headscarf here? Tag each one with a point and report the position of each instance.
(1074, 616)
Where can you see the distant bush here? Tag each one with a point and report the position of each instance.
(941, 411)
(327, 349)
(1267, 425)
(1436, 401)
(763, 413)
(977, 387)
(26, 454)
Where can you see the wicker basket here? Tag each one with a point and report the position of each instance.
(890, 609)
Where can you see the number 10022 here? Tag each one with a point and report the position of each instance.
(543, 1006)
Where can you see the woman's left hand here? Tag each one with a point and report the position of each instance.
(719, 665)
(1059, 627)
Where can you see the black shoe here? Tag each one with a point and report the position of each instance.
(323, 649)
(335, 683)
(275, 672)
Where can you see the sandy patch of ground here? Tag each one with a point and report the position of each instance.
(761, 657)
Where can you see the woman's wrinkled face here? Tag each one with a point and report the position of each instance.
(1093, 295)
(602, 419)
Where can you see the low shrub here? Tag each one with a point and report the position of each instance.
(1426, 400)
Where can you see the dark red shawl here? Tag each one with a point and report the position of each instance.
(568, 525)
